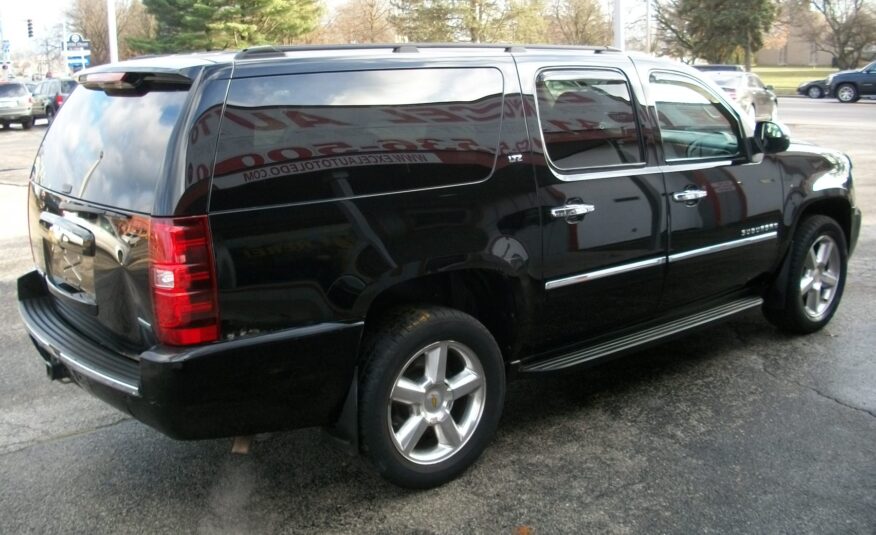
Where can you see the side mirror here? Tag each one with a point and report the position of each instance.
(770, 88)
(771, 137)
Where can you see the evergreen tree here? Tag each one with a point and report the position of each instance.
(192, 25)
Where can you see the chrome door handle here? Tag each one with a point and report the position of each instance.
(689, 195)
(571, 212)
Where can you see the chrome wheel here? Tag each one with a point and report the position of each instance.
(821, 277)
(436, 402)
(814, 92)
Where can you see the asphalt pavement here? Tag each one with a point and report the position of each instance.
(734, 429)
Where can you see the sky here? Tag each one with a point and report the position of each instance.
(14, 15)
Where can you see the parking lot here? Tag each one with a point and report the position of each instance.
(734, 429)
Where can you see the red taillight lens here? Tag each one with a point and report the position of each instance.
(183, 280)
(59, 99)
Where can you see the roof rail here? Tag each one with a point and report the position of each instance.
(260, 52)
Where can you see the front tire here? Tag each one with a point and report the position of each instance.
(847, 93)
(814, 92)
(431, 395)
(816, 277)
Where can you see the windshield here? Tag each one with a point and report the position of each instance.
(12, 90)
(110, 150)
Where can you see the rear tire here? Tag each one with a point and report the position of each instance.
(431, 394)
(816, 277)
(27, 123)
(50, 116)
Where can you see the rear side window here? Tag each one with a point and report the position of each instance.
(587, 119)
(12, 90)
(110, 150)
(306, 137)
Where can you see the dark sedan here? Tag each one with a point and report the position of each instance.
(813, 89)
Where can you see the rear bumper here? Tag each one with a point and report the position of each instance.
(280, 380)
(14, 114)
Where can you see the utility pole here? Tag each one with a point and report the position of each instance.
(113, 32)
(618, 20)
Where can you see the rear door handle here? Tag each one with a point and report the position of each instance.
(689, 195)
(572, 212)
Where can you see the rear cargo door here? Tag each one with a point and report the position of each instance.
(92, 190)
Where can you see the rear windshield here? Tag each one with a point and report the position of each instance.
(12, 90)
(110, 150)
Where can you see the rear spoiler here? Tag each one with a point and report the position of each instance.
(135, 81)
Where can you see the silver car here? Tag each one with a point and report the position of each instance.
(756, 99)
(15, 105)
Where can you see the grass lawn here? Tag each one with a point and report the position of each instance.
(786, 79)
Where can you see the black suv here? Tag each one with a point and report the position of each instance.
(850, 86)
(377, 238)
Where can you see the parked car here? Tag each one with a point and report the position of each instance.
(756, 99)
(377, 238)
(717, 67)
(15, 105)
(850, 86)
(814, 88)
(50, 95)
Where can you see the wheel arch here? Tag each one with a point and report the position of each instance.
(496, 299)
(837, 208)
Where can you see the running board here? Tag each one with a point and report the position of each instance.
(642, 337)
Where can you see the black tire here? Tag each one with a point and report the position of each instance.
(847, 93)
(814, 92)
(798, 315)
(391, 355)
(26, 123)
(50, 116)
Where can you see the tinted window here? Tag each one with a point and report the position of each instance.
(12, 90)
(587, 119)
(306, 137)
(110, 149)
(67, 86)
(693, 121)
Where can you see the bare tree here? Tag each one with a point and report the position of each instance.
(844, 28)
(579, 22)
(362, 21)
(88, 17)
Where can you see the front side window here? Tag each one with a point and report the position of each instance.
(587, 119)
(694, 123)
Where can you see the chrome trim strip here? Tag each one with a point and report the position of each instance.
(693, 165)
(717, 248)
(91, 373)
(643, 337)
(607, 272)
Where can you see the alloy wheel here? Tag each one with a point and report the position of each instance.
(846, 93)
(821, 276)
(436, 402)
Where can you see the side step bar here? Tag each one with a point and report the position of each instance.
(642, 337)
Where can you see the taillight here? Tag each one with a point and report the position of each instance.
(183, 281)
(59, 99)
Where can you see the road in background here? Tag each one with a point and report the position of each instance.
(737, 428)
